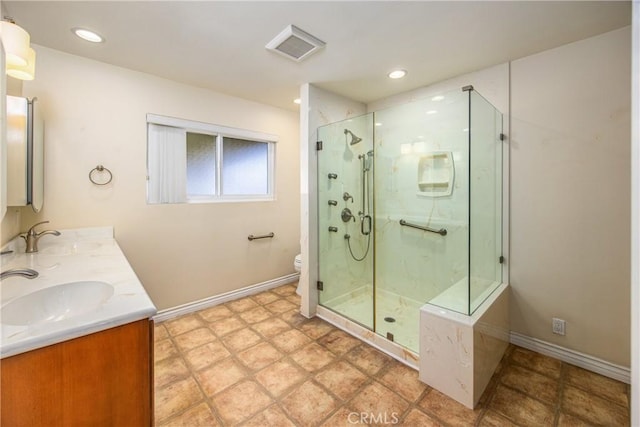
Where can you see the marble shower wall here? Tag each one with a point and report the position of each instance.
(414, 263)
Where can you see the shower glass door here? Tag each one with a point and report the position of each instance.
(422, 216)
(345, 218)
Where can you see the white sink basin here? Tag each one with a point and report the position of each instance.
(71, 248)
(56, 303)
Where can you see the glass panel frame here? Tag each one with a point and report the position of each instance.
(347, 283)
(485, 203)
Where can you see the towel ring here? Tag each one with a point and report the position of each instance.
(100, 168)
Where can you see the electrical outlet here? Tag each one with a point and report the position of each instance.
(558, 326)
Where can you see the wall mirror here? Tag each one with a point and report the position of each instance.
(25, 153)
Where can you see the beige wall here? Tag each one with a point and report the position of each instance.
(570, 195)
(96, 114)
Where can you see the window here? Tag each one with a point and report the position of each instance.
(199, 162)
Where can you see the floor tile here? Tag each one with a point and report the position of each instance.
(368, 359)
(521, 409)
(566, 420)
(280, 377)
(403, 380)
(206, 355)
(419, 418)
(308, 404)
(259, 356)
(294, 299)
(160, 333)
(258, 362)
(217, 312)
(280, 306)
(529, 382)
(227, 325)
(593, 408)
(290, 340)
(343, 417)
(183, 324)
(493, 419)
(255, 315)
(597, 384)
(342, 379)
(175, 398)
(265, 297)
(379, 401)
(169, 370)
(164, 349)
(241, 305)
(271, 327)
(272, 416)
(220, 376)
(315, 328)
(285, 290)
(241, 339)
(293, 317)
(444, 408)
(313, 357)
(537, 362)
(241, 402)
(338, 342)
(198, 416)
(194, 338)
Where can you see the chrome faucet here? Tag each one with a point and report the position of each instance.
(24, 272)
(31, 237)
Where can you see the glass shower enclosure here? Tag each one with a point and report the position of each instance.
(410, 212)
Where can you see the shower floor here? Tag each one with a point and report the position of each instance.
(405, 313)
(400, 315)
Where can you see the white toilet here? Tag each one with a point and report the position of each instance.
(297, 263)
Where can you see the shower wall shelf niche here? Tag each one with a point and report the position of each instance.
(436, 174)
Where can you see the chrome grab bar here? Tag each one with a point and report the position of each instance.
(265, 236)
(442, 231)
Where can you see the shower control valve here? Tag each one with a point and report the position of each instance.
(346, 196)
(347, 216)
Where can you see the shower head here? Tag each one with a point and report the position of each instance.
(354, 139)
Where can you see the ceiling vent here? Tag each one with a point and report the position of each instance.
(295, 43)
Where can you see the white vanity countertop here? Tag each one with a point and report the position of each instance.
(88, 254)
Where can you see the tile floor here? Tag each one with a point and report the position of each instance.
(257, 362)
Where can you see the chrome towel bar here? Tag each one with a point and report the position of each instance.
(265, 236)
(442, 231)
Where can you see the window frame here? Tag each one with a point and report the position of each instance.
(219, 133)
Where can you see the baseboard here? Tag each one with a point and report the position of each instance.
(573, 357)
(180, 310)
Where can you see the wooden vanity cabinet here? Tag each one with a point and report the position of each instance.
(102, 379)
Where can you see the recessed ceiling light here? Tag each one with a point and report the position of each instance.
(437, 98)
(378, 124)
(87, 35)
(432, 112)
(397, 74)
(297, 101)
